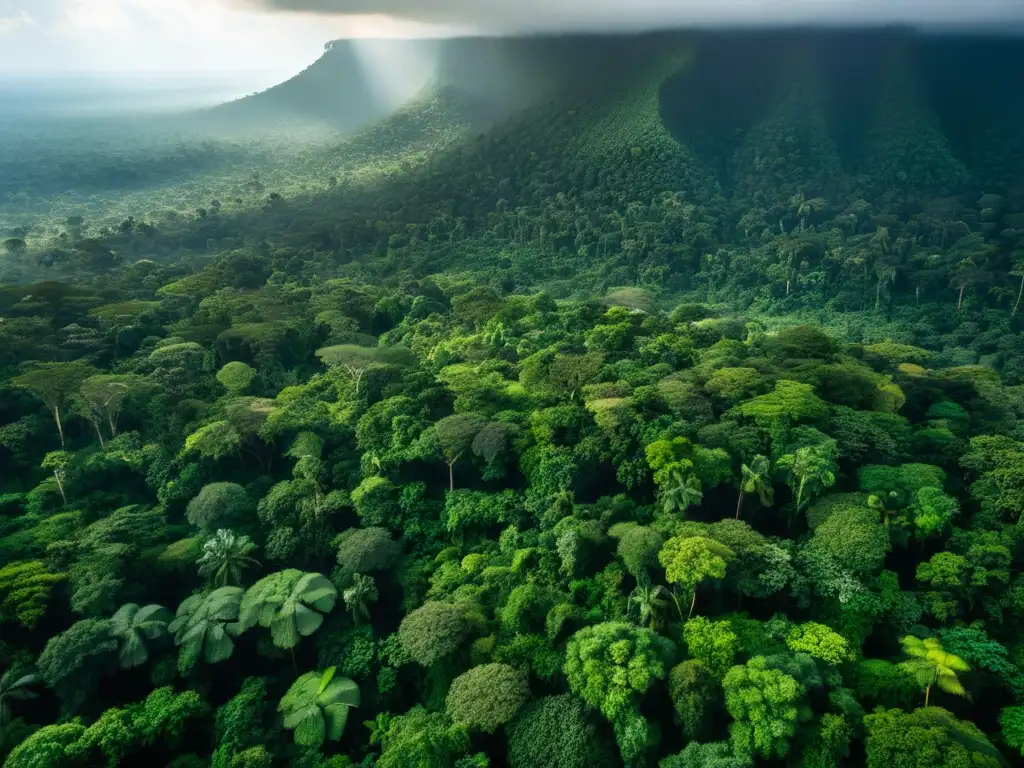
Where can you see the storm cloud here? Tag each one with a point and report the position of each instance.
(602, 15)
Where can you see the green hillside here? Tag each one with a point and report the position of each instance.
(641, 401)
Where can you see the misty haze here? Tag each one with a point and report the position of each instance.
(68, 95)
(511, 385)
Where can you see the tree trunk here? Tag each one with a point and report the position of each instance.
(99, 433)
(112, 421)
(796, 510)
(693, 602)
(675, 600)
(451, 476)
(739, 504)
(356, 374)
(1021, 291)
(60, 487)
(960, 300)
(927, 693)
(60, 427)
(117, 332)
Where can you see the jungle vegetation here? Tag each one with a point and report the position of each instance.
(642, 427)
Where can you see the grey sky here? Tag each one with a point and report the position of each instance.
(523, 15)
(146, 36)
(279, 37)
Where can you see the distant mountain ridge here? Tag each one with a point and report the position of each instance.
(356, 83)
(733, 137)
(333, 91)
(347, 88)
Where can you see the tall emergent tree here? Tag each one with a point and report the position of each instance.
(455, 436)
(58, 463)
(101, 398)
(689, 560)
(355, 361)
(55, 384)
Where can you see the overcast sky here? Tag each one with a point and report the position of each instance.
(523, 15)
(151, 36)
(280, 37)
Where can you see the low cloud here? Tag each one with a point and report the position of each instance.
(146, 36)
(569, 15)
(12, 20)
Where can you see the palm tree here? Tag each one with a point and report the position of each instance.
(359, 595)
(133, 626)
(931, 665)
(225, 557)
(317, 706)
(201, 626)
(14, 686)
(649, 602)
(290, 603)
(756, 479)
(809, 468)
(684, 492)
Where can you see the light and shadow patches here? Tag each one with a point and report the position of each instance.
(395, 70)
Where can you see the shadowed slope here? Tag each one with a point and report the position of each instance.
(335, 92)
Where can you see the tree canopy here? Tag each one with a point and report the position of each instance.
(660, 405)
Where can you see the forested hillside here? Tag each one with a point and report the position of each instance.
(669, 420)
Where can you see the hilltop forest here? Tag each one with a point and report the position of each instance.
(668, 419)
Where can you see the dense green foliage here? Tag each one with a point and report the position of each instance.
(554, 732)
(487, 696)
(639, 428)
